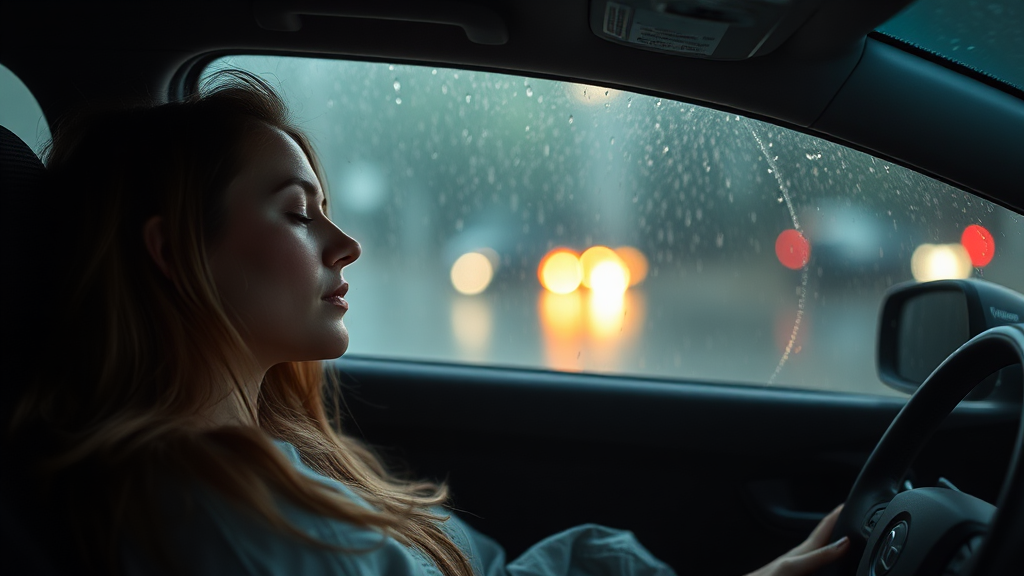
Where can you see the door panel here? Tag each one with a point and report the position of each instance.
(713, 479)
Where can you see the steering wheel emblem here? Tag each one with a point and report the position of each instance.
(892, 545)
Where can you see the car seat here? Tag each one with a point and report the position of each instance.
(23, 181)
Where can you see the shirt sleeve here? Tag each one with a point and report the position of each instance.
(213, 536)
(216, 538)
(586, 550)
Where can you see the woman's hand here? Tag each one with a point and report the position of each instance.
(811, 554)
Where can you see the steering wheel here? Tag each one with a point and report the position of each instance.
(936, 530)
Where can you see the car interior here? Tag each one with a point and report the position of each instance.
(717, 466)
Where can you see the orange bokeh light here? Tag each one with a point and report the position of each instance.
(560, 271)
(980, 245)
(635, 262)
(609, 268)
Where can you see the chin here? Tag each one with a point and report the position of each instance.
(333, 346)
(313, 345)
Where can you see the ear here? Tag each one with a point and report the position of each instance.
(153, 237)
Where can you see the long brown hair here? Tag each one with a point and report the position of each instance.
(141, 349)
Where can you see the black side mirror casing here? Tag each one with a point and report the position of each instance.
(922, 323)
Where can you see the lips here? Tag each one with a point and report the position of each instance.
(339, 292)
(337, 297)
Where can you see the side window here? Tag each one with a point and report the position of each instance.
(523, 222)
(20, 113)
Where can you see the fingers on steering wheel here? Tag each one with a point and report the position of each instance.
(810, 562)
(819, 537)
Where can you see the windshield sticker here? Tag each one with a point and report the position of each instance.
(678, 34)
(616, 17)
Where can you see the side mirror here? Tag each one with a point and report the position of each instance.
(923, 323)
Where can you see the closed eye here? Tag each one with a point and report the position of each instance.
(301, 218)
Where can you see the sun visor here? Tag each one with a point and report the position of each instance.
(711, 29)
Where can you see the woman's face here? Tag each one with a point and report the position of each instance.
(278, 262)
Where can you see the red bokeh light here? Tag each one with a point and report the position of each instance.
(792, 249)
(980, 245)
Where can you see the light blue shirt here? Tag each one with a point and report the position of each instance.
(219, 539)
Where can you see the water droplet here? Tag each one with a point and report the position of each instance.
(629, 103)
(444, 89)
(657, 104)
(612, 141)
(780, 199)
(813, 155)
(664, 150)
(397, 85)
(605, 92)
(527, 128)
(529, 92)
(547, 150)
(468, 98)
(570, 118)
(391, 67)
(433, 72)
(398, 100)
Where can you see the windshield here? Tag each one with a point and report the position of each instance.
(520, 222)
(986, 36)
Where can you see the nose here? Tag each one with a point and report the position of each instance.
(341, 250)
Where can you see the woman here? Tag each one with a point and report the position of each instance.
(189, 432)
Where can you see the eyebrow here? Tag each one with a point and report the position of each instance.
(310, 188)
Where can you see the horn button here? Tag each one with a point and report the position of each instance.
(892, 545)
(921, 530)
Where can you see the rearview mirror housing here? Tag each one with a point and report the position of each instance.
(923, 323)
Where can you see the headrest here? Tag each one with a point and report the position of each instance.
(22, 181)
(22, 190)
(20, 169)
